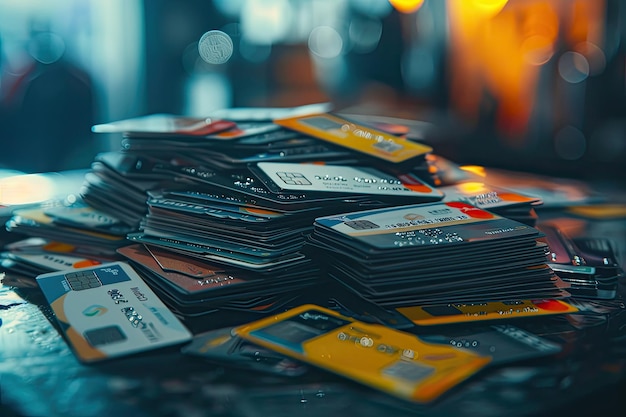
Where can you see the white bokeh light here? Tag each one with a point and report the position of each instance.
(573, 67)
(325, 42)
(266, 22)
(364, 34)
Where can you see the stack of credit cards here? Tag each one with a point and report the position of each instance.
(23, 260)
(239, 193)
(434, 253)
(59, 237)
(235, 148)
(253, 229)
(119, 180)
(221, 143)
(77, 225)
(258, 221)
(118, 183)
(195, 289)
(588, 265)
(294, 239)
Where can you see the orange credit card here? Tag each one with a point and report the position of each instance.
(359, 138)
(398, 363)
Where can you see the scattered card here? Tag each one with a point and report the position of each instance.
(108, 311)
(380, 357)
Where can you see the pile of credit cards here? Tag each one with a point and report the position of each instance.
(434, 253)
(57, 237)
(247, 202)
(238, 198)
(265, 232)
(118, 182)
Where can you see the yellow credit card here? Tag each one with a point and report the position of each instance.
(492, 310)
(390, 360)
(363, 139)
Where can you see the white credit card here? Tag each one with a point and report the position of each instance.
(53, 261)
(424, 225)
(344, 179)
(109, 311)
(486, 196)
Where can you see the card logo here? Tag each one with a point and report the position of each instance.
(95, 310)
(470, 210)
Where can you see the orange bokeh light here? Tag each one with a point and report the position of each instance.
(406, 6)
(498, 48)
(474, 169)
(487, 7)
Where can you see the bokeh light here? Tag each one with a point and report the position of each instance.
(26, 189)
(364, 34)
(573, 67)
(594, 55)
(538, 49)
(474, 169)
(407, 6)
(46, 47)
(325, 42)
(487, 8)
(266, 21)
(472, 187)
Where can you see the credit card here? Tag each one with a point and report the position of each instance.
(485, 196)
(424, 225)
(37, 218)
(503, 342)
(38, 246)
(108, 311)
(241, 130)
(208, 253)
(359, 138)
(165, 124)
(395, 362)
(267, 114)
(245, 185)
(345, 179)
(430, 315)
(192, 276)
(53, 261)
(84, 217)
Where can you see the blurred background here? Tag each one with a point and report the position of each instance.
(529, 85)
